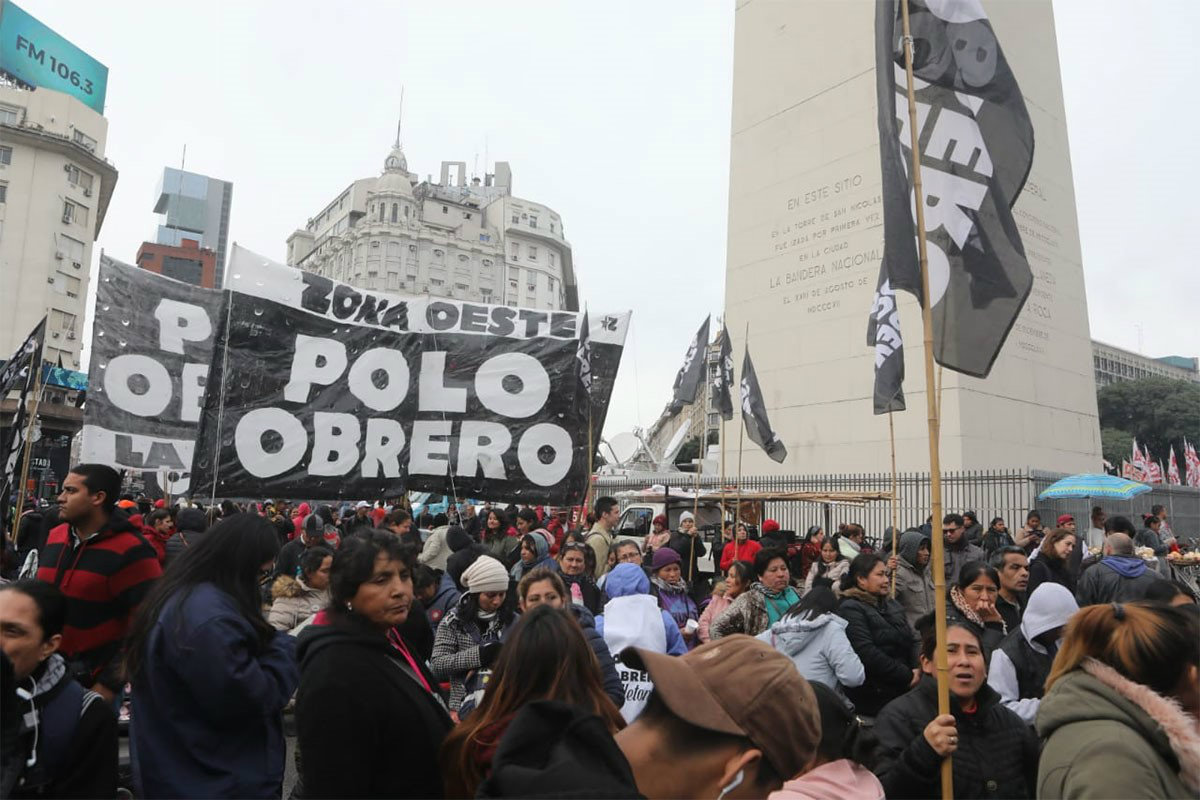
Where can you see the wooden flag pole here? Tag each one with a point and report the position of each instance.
(721, 437)
(699, 470)
(895, 511)
(31, 407)
(737, 506)
(587, 494)
(936, 550)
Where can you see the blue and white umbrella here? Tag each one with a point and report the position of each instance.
(1109, 486)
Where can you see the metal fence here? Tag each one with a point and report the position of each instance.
(1010, 494)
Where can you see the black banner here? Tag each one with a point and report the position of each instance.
(976, 147)
(152, 339)
(320, 390)
(18, 373)
(889, 351)
(754, 414)
(691, 375)
(723, 380)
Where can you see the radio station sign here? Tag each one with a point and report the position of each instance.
(36, 55)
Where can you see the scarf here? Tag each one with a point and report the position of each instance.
(964, 608)
(776, 602)
(673, 587)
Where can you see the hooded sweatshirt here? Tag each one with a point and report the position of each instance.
(542, 558)
(819, 649)
(914, 585)
(834, 780)
(1116, 579)
(1020, 665)
(302, 511)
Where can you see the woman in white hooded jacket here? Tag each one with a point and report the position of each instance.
(814, 638)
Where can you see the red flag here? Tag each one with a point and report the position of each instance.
(1127, 471)
(1173, 469)
(1192, 464)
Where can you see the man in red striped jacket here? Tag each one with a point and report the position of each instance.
(104, 566)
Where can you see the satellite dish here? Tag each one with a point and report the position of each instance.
(676, 443)
(624, 446)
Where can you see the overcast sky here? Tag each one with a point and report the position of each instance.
(616, 115)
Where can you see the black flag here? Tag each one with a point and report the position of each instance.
(15, 371)
(691, 374)
(976, 144)
(889, 351)
(723, 380)
(583, 357)
(18, 373)
(754, 414)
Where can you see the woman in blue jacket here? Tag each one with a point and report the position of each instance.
(210, 677)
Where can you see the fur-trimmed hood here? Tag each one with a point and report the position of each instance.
(286, 586)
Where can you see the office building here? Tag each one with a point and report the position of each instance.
(195, 207)
(189, 262)
(1115, 364)
(469, 240)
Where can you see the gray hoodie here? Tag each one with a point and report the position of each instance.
(819, 649)
(914, 586)
(1050, 606)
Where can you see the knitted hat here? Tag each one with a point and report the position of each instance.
(769, 526)
(661, 519)
(457, 538)
(190, 520)
(686, 516)
(485, 575)
(662, 557)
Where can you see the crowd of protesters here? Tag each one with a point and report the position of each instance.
(502, 652)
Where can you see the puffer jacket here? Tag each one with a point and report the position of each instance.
(914, 585)
(1116, 579)
(997, 755)
(1106, 736)
(456, 647)
(883, 642)
(294, 602)
(819, 649)
(958, 554)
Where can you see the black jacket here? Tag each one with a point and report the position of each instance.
(366, 725)
(997, 753)
(593, 598)
(881, 638)
(682, 543)
(556, 750)
(1045, 570)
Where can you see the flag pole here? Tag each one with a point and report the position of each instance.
(721, 437)
(737, 506)
(936, 552)
(895, 523)
(31, 407)
(699, 470)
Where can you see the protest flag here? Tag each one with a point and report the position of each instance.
(690, 377)
(1173, 469)
(1191, 464)
(723, 379)
(22, 371)
(754, 414)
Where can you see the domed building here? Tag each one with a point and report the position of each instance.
(451, 238)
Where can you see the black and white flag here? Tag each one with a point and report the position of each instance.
(754, 414)
(18, 373)
(691, 375)
(889, 351)
(723, 380)
(17, 370)
(976, 143)
(583, 357)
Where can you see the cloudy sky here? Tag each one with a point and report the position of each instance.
(616, 114)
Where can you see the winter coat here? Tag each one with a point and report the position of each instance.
(974, 533)
(207, 702)
(1020, 665)
(190, 526)
(552, 749)
(1106, 736)
(691, 550)
(834, 780)
(716, 605)
(302, 511)
(73, 734)
(435, 551)
(1148, 538)
(738, 552)
(1116, 579)
(456, 647)
(990, 633)
(543, 559)
(366, 725)
(833, 572)
(997, 755)
(803, 560)
(628, 580)
(958, 554)
(993, 540)
(1048, 570)
(678, 604)
(819, 649)
(593, 597)
(294, 602)
(608, 668)
(749, 614)
(444, 600)
(600, 539)
(883, 642)
(914, 585)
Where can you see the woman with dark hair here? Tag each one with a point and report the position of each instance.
(1119, 715)
(297, 599)
(210, 676)
(995, 754)
(1051, 564)
(764, 603)
(814, 638)
(672, 591)
(973, 600)
(469, 637)
(500, 537)
(996, 537)
(879, 634)
(846, 756)
(535, 552)
(545, 658)
(1171, 593)
(831, 565)
(737, 581)
(573, 560)
(810, 551)
(368, 719)
(65, 736)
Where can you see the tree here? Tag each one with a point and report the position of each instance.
(1158, 412)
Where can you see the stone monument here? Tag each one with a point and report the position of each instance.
(805, 241)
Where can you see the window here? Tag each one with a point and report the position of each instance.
(463, 286)
(72, 249)
(532, 221)
(553, 259)
(374, 245)
(532, 253)
(395, 212)
(436, 282)
(69, 285)
(550, 284)
(438, 255)
(412, 248)
(445, 210)
(552, 227)
(531, 287)
(74, 213)
(5, 155)
(516, 219)
(3, 192)
(516, 251)
(486, 294)
(466, 215)
(406, 212)
(512, 283)
(393, 280)
(82, 138)
(10, 115)
(487, 262)
(461, 257)
(382, 210)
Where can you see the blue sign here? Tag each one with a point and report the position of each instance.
(36, 55)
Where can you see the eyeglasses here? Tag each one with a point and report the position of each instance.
(949, 530)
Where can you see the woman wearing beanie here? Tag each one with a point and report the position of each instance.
(469, 637)
(660, 534)
(672, 593)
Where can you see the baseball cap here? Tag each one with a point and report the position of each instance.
(1064, 519)
(741, 686)
(363, 504)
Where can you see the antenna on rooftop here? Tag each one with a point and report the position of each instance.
(400, 121)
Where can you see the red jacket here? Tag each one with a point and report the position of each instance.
(745, 552)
